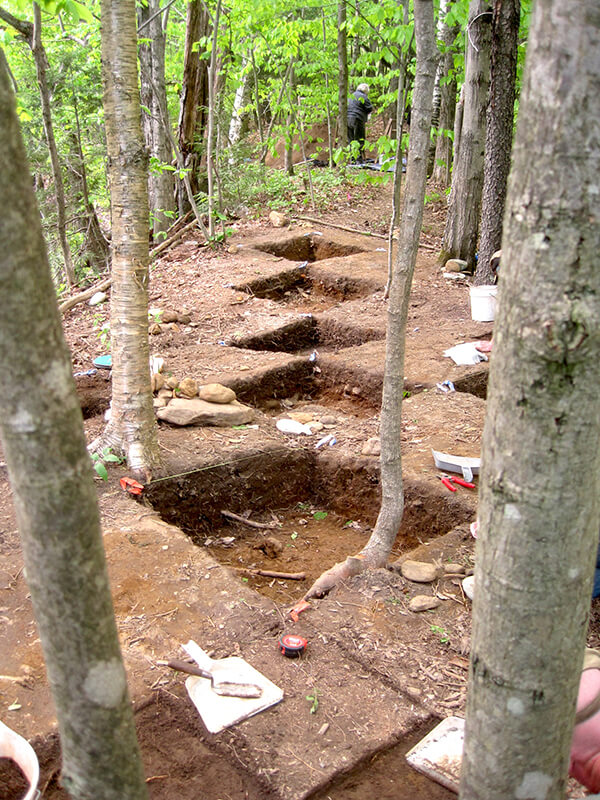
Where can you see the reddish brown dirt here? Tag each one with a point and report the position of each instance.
(382, 676)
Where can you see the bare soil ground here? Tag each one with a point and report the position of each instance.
(293, 320)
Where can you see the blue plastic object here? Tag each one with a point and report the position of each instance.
(103, 362)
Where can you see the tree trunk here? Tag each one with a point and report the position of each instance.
(377, 550)
(41, 66)
(499, 134)
(210, 134)
(96, 248)
(378, 547)
(161, 184)
(442, 168)
(462, 224)
(194, 100)
(55, 499)
(540, 481)
(342, 51)
(132, 427)
(240, 101)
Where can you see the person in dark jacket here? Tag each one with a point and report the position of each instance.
(359, 108)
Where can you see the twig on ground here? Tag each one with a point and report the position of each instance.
(244, 521)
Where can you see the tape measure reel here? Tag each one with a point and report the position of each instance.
(291, 645)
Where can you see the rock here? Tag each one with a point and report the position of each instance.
(271, 547)
(372, 447)
(184, 319)
(278, 220)
(97, 298)
(468, 586)
(301, 416)
(165, 393)
(216, 393)
(328, 420)
(316, 426)
(454, 569)
(188, 388)
(456, 265)
(172, 382)
(160, 402)
(418, 571)
(424, 602)
(154, 329)
(356, 391)
(200, 412)
(157, 381)
(169, 316)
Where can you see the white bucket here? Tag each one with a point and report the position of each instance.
(483, 303)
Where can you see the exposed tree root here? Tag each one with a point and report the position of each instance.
(353, 565)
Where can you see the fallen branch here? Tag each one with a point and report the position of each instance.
(267, 573)
(250, 522)
(176, 236)
(67, 305)
(342, 227)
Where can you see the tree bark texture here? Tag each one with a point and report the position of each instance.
(342, 51)
(194, 99)
(539, 509)
(499, 132)
(132, 426)
(161, 184)
(442, 168)
(41, 66)
(213, 75)
(378, 547)
(55, 499)
(462, 224)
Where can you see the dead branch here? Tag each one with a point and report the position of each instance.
(174, 238)
(267, 573)
(67, 305)
(250, 522)
(342, 227)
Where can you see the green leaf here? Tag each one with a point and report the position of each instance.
(101, 470)
(294, 535)
(319, 514)
(112, 458)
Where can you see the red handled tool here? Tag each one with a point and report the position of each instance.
(448, 480)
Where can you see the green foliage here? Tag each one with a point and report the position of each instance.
(313, 698)
(320, 515)
(100, 460)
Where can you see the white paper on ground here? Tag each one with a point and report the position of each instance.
(465, 354)
(14, 746)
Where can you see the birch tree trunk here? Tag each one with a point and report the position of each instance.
(464, 211)
(540, 483)
(342, 50)
(161, 184)
(132, 426)
(499, 132)
(213, 74)
(55, 499)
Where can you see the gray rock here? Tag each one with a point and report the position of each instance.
(424, 602)
(372, 447)
(97, 298)
(327, 419)
(200, 412)
(278, 220)
(418, 571)
(216, 393)
(454, 569)
(188, 388)
(169, 316)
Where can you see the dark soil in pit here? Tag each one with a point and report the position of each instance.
(382, 676)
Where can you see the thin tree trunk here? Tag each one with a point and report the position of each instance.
(342, 51)
(499, 133)
(212, 85)
(275, 114)
(257, 98)
(539, 507)
(44, 446)
(377, 550)
(327, 105)
(194, 101)
(132, 426)
(378, 547)
(443, 143)
(240, 101)
(161, 184)
(462, 224)
(41, 66)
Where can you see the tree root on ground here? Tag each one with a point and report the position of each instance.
(353, 565)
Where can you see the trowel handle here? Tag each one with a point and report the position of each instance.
(185, 666)
(197, 653)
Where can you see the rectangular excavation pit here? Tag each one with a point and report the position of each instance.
(312, 510)
(475, 382)
(308, 247)
(308, 332)
(300, 284)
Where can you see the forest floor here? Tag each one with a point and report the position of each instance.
(293, 319)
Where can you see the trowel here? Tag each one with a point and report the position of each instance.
(218, 683)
